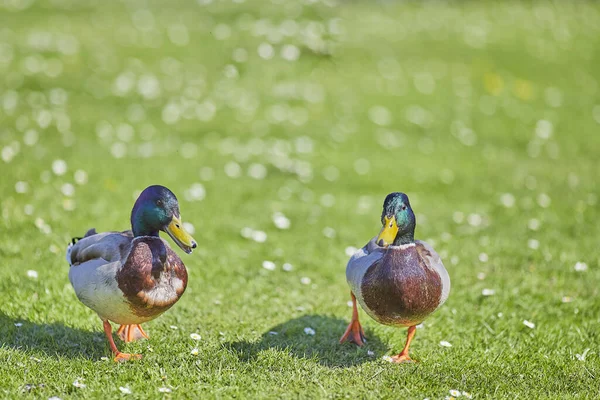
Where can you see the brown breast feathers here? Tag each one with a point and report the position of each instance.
(400, 289)
(152, 278)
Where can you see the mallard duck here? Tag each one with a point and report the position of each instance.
(397, 280)
(132, 277)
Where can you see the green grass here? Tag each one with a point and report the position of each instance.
(511, 203)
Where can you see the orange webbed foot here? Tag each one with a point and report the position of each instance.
(354, 334)
(119, 357)
(122, 357)
(402, 358)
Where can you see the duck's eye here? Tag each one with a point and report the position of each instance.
(403, 207)
(159, 203)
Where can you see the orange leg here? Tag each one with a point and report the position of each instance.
(144, 334)
(129, 333)
(121, 329)
(113, 347)
(403, 356)
(354, 333)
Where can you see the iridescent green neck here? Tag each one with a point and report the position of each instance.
(145, 220)
(406, 223)
(141, 228)
(404, 238)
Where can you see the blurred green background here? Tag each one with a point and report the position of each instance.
(281, 126)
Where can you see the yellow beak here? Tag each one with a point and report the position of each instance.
(180, 236)
(388, 232)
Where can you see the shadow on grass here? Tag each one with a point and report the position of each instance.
(51, 339)
(290, 337)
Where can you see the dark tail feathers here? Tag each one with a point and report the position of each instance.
(88, 233)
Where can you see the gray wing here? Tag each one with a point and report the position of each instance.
(109, 246)
(360, 262)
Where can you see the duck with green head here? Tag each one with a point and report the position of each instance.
(397, 280)
(132, 277)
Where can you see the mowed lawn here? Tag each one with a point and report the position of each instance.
(281, 126)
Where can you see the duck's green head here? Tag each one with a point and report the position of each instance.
(157, 209)
(398, 221)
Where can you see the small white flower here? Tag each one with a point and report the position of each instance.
(443, 343)
(475, 219)
(8, 153)
(81, 177)
(488, 292)
(164, 390)
(467, 395)
(458, 217)
(281, 221)
(370, 353)
(273, 333)
(309, 331)
(194, 351)
(21, 187)
(78, 384)
(387, 358)
(233, 169)
(18, 324)
(567, 299)
(529, 324)
(483, 257)
(59, 167)
(455, 393)
(481, 276)
(420, 326)
(380, 115)
(305, 280)
(329, 232)
(54, 398)
(287, 267)
(269, 265)
(507, 200)
(195, 336)
(247, 232)
(580, 266)
(266, 51)
(581, 357)
(104, 358)
(196, 192)
(259, 236)
(68, 189)
(544, 200)
(191, 229)
(533, 244)
(173, 327)
(32, 274)
(543, 129)
(350, 303)
(290, 52)
(533, 224)
(125, 390)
